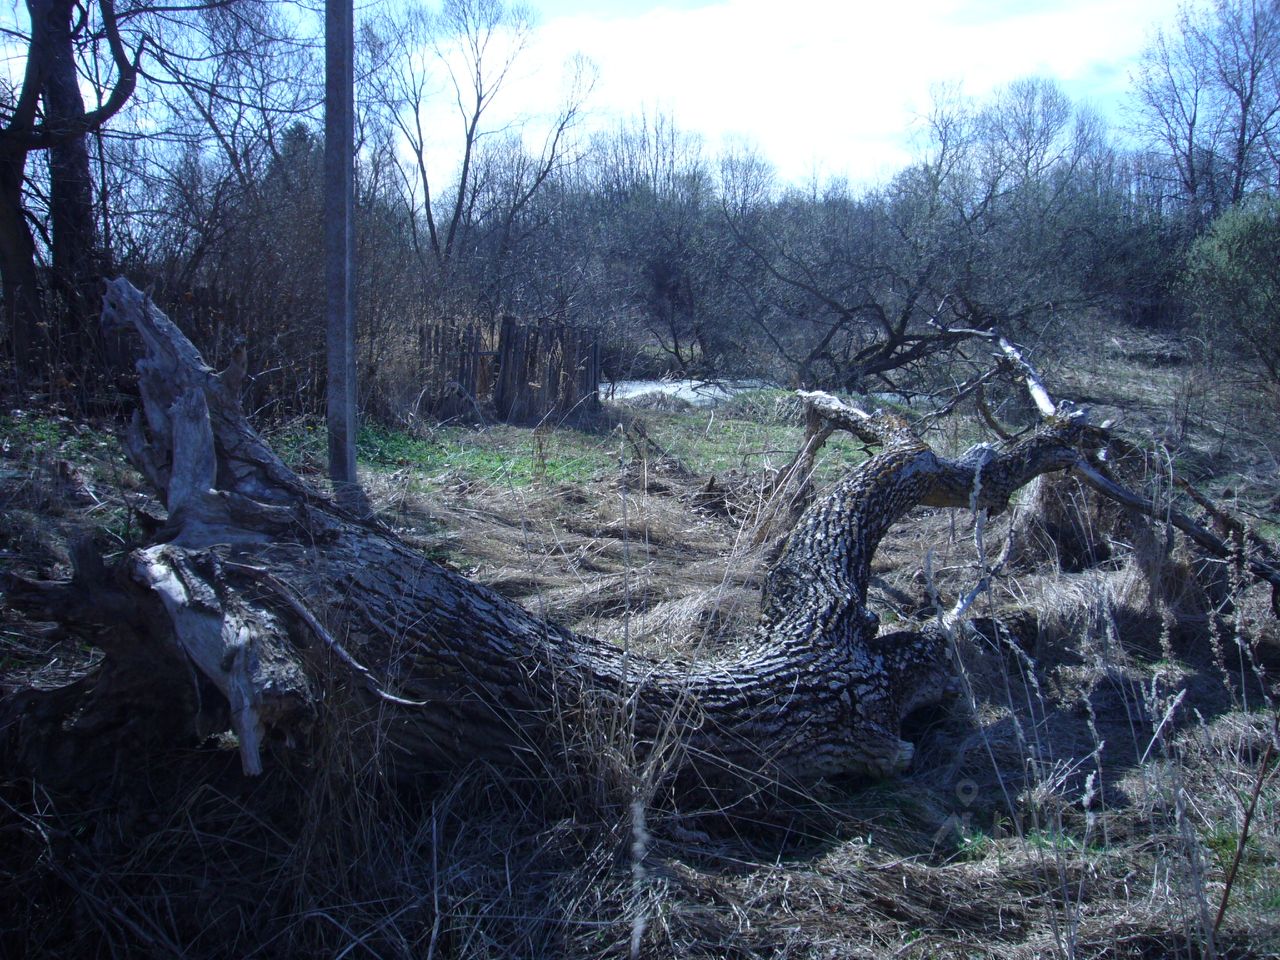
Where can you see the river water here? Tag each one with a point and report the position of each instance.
(700, 393)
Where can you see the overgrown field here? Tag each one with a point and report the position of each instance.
(1086, 797)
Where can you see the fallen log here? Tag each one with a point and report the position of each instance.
(264, 590)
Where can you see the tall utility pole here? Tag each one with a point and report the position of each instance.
(339, 240)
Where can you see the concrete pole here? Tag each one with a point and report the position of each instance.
(339, 240)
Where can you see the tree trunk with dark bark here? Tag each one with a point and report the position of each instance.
(51, 81)
(73, 230)
(275, 593)
(21, 287)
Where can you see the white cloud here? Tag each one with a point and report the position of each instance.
(825, 86)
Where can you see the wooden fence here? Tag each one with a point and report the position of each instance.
(535, 371)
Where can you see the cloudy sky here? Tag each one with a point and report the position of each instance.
(822, 86)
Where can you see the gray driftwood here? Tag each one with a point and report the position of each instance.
(262, 589)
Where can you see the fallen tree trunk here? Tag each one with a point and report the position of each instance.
(275, 595)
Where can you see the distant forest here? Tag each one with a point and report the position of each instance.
(179, 144)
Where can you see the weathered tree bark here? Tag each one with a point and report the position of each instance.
(274, 593)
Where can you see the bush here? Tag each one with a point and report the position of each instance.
(1233, 276)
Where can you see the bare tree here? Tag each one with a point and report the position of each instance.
(658, 231)
(1245, 56)
(1209, 97)
(188, 104)
(981, 232)
(474, 46)
(48, 114)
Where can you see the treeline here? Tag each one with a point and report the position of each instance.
(180, 146)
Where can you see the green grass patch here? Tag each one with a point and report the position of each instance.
(497, 454)
(23, 432)
(707, 441)
(519, 456)
(714, 442)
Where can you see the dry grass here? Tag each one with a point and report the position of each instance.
(1084, 800)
